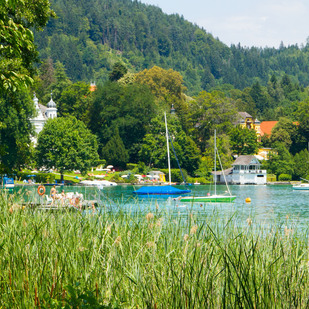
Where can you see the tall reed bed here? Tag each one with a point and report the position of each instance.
(147, 260)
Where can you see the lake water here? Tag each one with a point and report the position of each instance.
(270, 204)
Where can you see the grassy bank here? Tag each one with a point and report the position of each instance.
(147, 260)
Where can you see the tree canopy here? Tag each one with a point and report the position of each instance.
(244, 141)
(126, 107)
(114, 151)
(66, 144)
(17, 48)
(15, 131)
(211, 111)
(154, 149)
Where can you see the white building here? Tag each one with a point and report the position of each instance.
(245, 170)
(42, 114)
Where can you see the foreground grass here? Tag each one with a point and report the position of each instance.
(147, 260)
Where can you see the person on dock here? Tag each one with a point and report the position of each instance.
(93, 208)
(78, 203)
(53, 193)
(63, 197)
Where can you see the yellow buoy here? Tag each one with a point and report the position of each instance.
(248, 200)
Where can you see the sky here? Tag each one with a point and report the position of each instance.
(257, 23)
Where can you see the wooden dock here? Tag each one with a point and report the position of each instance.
(57, 206)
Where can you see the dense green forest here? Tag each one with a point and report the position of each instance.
(88, 36)
(145, 63)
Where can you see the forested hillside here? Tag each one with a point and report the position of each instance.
(90, 35)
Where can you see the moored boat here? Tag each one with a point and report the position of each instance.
(160, 190)
(208, 199)
(98, 183)
(8, 183)
(211, 198)
(302, 186)
(163, 189)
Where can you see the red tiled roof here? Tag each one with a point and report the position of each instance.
(267, 126)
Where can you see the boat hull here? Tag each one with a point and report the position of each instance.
(301, 187)
(208, 199)
(160, 190)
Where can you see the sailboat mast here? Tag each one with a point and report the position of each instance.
(168, 151)
(215, 160)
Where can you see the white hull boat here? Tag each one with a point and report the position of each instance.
(212, 198)
(302, 186)
(98, 183)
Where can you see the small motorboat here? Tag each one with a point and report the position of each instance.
(98, 183)
(302, 186)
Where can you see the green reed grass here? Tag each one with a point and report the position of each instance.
(147, 260)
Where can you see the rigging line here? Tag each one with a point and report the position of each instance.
(222, 171)
(183, 178)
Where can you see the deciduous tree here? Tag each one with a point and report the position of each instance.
(168, 88)
(15, 130)
(128, 108)
(301, 164)
(66, 144)
(75, 101)
(154, 150)
(244, 141)
(17, 48)
(211, 111)
(280, 162)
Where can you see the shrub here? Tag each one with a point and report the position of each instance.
(39, 177)
(285, 177)
(271, 177)
(201, 180)
(131, 166)
(175, 175)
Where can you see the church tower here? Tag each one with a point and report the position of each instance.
(51, 111)
(39, 120)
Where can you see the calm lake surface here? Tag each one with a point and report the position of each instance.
(270, 204)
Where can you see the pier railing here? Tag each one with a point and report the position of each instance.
(249, 171)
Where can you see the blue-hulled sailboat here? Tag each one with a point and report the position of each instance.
(162, 189)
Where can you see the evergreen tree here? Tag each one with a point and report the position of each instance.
(119, 70)
(114, 152)
(301, 161)
(62, 81)
(259, 97)
(46, 78)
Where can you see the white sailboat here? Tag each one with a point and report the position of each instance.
(215, 198)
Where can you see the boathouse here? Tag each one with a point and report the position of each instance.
(245, 170)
